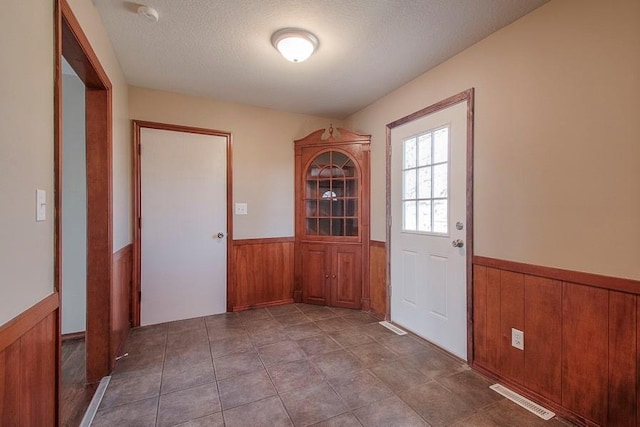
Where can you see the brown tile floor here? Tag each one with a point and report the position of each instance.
(296, 365)
(75, 393)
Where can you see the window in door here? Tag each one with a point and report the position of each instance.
(425, 182)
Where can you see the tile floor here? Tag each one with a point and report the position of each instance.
(296, 365)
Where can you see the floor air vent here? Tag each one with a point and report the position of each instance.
(543, 413)
(392, 328)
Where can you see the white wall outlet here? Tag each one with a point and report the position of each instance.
(41, 205)
(241, 209)
(517, 339)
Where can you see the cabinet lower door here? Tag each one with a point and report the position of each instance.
(315, 273)
(346, 276)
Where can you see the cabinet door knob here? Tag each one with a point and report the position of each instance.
(334, 276)
(326, 276)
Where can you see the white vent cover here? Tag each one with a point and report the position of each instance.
(392, 328)
(543, 413)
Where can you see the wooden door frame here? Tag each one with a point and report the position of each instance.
(137, 208)
(466, 96)
(74, 45)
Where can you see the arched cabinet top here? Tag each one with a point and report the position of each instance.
(332, 137)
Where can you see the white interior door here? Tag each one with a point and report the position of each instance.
(428, 210)
(184, 203)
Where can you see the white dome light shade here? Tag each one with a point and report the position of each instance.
(294, 44)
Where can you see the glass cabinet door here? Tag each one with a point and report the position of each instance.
(331, 196)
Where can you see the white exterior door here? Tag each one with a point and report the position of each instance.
(184, 204)
(428, 210)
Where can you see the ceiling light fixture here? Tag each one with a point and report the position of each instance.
(294, 44)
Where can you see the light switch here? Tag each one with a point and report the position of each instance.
(41, 205)
(241, 208)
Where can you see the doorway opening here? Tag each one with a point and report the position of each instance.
(430, 240)
(73, 45)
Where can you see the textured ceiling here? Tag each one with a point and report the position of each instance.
(222, 48)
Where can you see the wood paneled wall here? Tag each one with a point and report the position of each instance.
(28, 366)
(580, 338)
(121, 298)
(262, 272)
(378, 278)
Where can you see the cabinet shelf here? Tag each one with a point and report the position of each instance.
(331, 195)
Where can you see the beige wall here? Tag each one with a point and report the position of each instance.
(26, 146)
(263, 158)
(26, 153)
(557, 161)
(91, 24)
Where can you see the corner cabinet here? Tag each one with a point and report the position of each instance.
(332, 219)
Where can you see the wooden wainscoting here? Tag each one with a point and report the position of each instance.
(121, 292)
(581, 333)
(262, 272)
(378, 278)
(28, 366)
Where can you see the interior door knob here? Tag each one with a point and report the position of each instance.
(457, 243)
(220, 235)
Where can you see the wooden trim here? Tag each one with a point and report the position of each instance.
(262, 241)
(377, 279)
(137, 209)
(74, 45)
(121, 298)
(73, 336)
(29, 375)
(231, 285)
(467, 96)
(180, 128)
(122, 252)
(263, 272)
(78, 51)
(470, 97)
(599, 281)
(57, 199)
(388, 218)
(11, 331)
(263, 304)
(137, 206)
